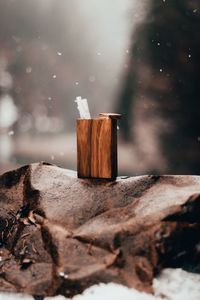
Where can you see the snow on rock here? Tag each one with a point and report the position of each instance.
(172, 284)
(176, 284)
(112, 291)
(102, 291)
(12, 296)
(56, 298)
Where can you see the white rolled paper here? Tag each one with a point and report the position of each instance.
(83, 108)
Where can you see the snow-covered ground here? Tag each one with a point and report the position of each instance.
(172, 284)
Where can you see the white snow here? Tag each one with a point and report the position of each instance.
(177, 284)
(92, 78)
(112, 291)
(172, 284)
(10, 296)
(28, 70)
(11, 132)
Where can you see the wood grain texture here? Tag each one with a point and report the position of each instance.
(83, 129)
(97, 148)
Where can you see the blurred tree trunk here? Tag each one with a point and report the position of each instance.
(161, 90)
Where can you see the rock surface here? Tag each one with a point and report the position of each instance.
(60, 234)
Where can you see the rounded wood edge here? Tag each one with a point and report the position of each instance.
(110, 115)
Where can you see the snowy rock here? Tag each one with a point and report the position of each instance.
(177, 284)
(61, 235)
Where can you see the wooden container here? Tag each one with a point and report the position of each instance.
(97, 147)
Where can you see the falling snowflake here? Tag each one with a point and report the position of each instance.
(54, 76)
(92, 78)
(11, 132)
(76, 83)
(28, 70)
(59, 53)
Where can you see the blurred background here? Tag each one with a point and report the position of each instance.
(138, 58)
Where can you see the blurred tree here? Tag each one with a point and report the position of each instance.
(161, 91)
(40, 41)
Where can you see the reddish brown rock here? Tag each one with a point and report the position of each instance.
(60, 234)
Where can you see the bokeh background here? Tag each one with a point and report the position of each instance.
(138, 58)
